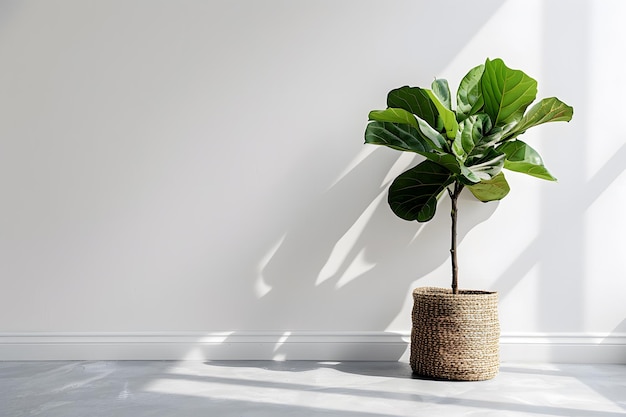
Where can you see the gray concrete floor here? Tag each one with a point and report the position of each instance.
(370, 389)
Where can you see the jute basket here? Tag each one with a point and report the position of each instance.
(455, 337)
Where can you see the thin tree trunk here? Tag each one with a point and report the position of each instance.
(454, 196)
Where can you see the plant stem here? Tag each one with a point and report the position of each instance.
(454, 196)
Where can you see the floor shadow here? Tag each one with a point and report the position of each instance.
(265, 388)
(386, 369)
(516, 404)
(606, 380)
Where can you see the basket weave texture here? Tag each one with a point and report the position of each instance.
(455, 337)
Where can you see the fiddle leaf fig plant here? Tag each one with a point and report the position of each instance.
(464, 147)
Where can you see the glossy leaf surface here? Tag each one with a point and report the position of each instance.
(441, 89)
(394, 116)
(404, 137)
(447, 116)
(506, 92)
(488, 166)
(490, 190)
(520, 157)
(413, 194)
(467, 146)
(446, 160)
(433, 135)
(547, 110)
(472, 135)
(401, 137)
(469, 97)
(416, 101)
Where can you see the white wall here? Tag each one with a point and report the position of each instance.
(198, 166)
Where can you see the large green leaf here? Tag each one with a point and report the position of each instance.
(467, 177)
(469, 97)
(479, 160)
(499, 133)
(520, 157)
(470, 145)
(413, 194)
(486, 164)
(441, 89)
(404, 137)
(472, 135)
(425, 131)
(489, 190)
(447, 116)
(394, 116)
(444, 159)
(507, 92)
(547, 110)
(416, 101)
(401, 137)
(433, 135)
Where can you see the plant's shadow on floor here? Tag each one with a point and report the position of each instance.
(377, 369)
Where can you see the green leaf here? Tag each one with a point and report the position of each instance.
(520, 157)
(416, 101)
(472, 135)
(394, 116)
(547, 110)
(401, 137)
(413, 194)
(447, 116)
(489, 190)
(468, 177)
(474, 131)
(507, 92)
(432, 134)
(499, 133)
(457, 147)
(446, 160)
(489, 164)
(469, 97)
(441, 89)
(402, 116)
(489, 168)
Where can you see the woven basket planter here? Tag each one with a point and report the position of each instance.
(455, 337)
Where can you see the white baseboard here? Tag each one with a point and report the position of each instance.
(366, 346)
(563, 348)
(321, 346)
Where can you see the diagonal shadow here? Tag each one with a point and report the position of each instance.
(603, 379)
(559, 248)
(602, 179)
(536, 249)
(377, 263)
(155, 388)
(401, 396)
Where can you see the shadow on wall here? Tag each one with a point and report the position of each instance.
(620, 329)
(566, 222)
(352, 268)
(347, 262)
(558, 250)
(537, 249)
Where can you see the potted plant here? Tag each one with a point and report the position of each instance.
(455, 332)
